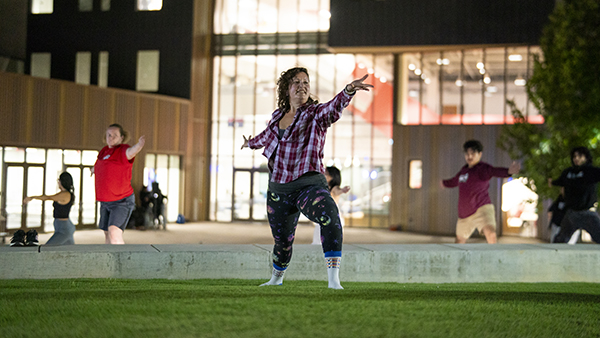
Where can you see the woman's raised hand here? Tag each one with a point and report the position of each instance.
(358, 85)
(245, 145)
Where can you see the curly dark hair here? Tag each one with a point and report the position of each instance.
(283, 86)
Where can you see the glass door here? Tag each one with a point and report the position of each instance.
(19, 181)
(249, 194)
(85, 215)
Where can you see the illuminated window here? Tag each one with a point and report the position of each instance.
(103, 69)
(149, 5)
(42, 6)
(40, 65)
(415, 174)
(83, 67)
(147, 71)
(105, 5)
(86, 5)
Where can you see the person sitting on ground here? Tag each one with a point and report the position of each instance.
(63, 201)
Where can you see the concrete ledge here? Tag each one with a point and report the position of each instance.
(406, 263)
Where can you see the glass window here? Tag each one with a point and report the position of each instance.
(288, 16)
(86, 5)
(103, 69)
(172, 209)
(149, 173)
(36, 155)
(12, 154)
(516, 80)
(72, 157)
(40, 65)
(89, 157)
(42, 6)
(83, 67)
(451, 69)
(35, 187)
(493, 100)
(54, 167)
(474, 70)
(308, 17)
(149, 5)
(105, 5)
(267, 16)
(415, 174)
(147, 71)
(15, 176)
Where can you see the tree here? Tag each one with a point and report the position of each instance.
(565, 88)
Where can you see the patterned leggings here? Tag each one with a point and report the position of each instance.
(317, 205)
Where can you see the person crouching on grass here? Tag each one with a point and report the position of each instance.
(475, 209)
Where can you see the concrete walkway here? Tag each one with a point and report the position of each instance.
(237, 250)
(260, 233)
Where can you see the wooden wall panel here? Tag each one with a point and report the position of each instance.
(168, 122)
(71, 118)
(45, 110)
(125, 107)
(97, 116)
(14, 108)
(183, 130)
(148, 122)
(61, 114)
(433, 209)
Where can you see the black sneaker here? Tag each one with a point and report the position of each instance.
(32, 238)
(18, 238)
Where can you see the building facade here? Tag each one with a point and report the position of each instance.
(442, 73)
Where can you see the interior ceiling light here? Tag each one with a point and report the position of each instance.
(458, 83)
(480, 65)
(443, 61)
(418, 71)
(515, 57)
(412, 66)
(520, 82)
(487, 79)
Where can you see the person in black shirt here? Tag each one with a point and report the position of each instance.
(580, 183)
(63, 201)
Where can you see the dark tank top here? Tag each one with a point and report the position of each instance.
(62, 210)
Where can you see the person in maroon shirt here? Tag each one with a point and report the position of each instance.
(293, 144)
(475, 209)
(113, 182)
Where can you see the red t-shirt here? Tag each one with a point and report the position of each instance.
(113, 174)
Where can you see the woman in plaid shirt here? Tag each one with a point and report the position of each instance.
(293, 142)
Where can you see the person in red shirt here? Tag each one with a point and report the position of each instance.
(113, 182)
(293, 144)
(475, 209)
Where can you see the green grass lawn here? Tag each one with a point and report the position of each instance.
(238, 308)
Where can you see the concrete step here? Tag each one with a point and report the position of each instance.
(402, 263)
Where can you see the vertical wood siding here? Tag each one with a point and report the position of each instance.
(61, 114)
(433, 209)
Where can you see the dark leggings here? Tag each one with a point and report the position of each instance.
(573, 220)
(316, 204)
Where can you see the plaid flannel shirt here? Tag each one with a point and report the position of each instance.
(300, 150)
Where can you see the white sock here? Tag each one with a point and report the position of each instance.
(333, 272)
(276, 278)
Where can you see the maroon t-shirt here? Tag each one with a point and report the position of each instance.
(113, 174)
(473, 184)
